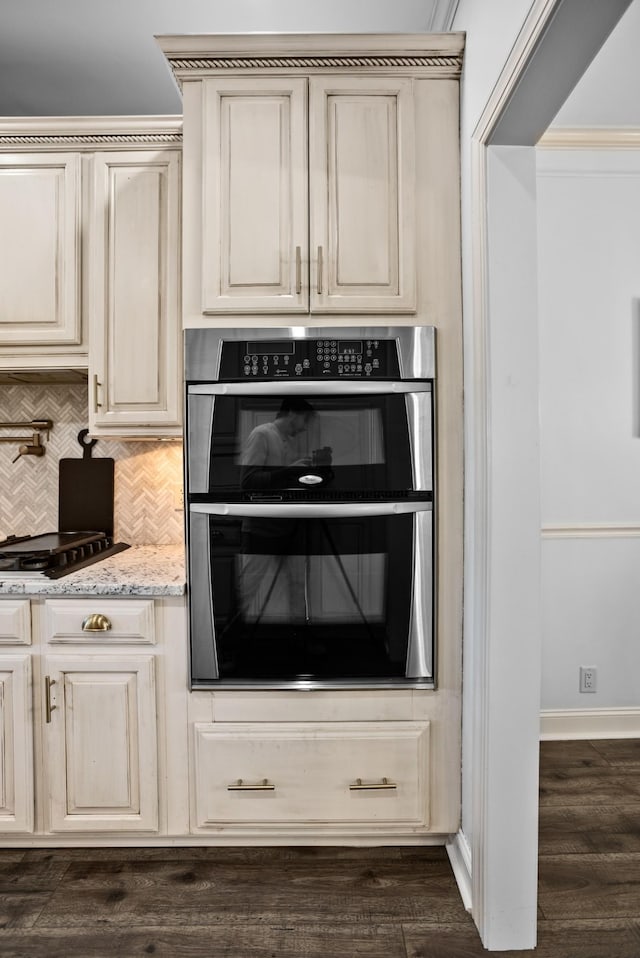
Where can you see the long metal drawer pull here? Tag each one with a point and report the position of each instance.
(241, 786)
(320, 264)
(298, 270)
(359, 785)
(48, 707)
(97, 622)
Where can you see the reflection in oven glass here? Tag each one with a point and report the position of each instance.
(321, 597)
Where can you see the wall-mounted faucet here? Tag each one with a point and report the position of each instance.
(34, 448)
(29, 445)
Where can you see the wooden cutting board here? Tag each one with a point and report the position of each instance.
(85, 491)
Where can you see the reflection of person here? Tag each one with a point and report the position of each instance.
(268, 457)
(272, 568)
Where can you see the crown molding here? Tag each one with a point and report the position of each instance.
(79, 133)
(433, 55)
(591, 138)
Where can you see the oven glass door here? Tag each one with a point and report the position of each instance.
(279, 596)
(245, 445)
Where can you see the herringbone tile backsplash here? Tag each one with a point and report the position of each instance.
(148, 475)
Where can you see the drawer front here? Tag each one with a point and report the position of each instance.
(100, 621)
(15, 622)
(331, 773)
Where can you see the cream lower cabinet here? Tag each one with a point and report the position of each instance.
(80, 726)
(16, 718)
(16, 744)
(340, 775)
(100, 742)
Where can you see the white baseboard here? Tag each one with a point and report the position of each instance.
(460, 857)
(589, 723)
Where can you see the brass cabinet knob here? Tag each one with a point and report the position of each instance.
(97, 622)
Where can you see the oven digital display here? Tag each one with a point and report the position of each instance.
(350, 348)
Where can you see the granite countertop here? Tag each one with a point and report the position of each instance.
(140, 570)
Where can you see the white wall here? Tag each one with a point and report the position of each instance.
(589, 295)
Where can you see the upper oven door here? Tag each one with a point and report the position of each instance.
(290, 440)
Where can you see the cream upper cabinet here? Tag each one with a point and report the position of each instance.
(40, 252)
(307, 195)
(254, 216)
(362, 229)
(134, 358)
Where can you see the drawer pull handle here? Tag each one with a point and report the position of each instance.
(240, 786)
(48, 707)
(96, 623)
(97, 385)
(359, 785)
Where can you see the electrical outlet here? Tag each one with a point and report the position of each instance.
(178, 499)
(588, 678)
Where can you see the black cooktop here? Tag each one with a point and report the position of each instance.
(54, 554)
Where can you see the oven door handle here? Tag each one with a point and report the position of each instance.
(320, 387)
(308, 510)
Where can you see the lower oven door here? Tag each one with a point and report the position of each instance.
(321, 595)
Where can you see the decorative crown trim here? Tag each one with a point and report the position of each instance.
(313, 62)
(445, 65)
(88, 139)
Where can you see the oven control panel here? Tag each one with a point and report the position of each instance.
(310, 359)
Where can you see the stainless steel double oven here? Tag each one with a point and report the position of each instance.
(310, 505)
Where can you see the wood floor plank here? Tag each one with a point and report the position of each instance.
(590, 886)
(601, 785)
(222, 941)
(588, 829)
(419, 855)
(26, 875)
(613, 939)
(21, 909)
(624, 751)
(566, 754)
(197, 893)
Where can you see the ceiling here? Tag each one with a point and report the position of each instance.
(99, 57)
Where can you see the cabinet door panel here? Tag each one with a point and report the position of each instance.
(361, 188)
(102, 748)
(255, 202)
(40, 249)
(16, 748)
(135, 291)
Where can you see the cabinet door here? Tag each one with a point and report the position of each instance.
(255, 234)
(100, 743)
(40, 249)
(16, 744)
(361, 188)
(134, 294)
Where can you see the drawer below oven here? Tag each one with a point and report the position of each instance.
(311, 774)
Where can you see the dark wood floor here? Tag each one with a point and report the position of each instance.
(340, 903)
